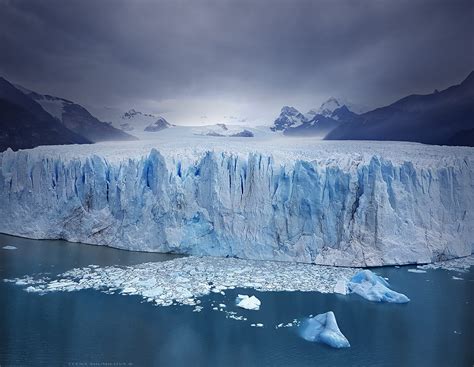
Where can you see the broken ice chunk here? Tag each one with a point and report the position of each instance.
(323, 328)
(374, 288)
(249, 303)
(8, 247)
(340, 287)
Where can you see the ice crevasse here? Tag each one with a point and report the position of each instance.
(314, 206)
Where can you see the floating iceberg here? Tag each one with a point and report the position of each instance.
(249, 303)
(374, 288)
(332, 203)
(323, 328)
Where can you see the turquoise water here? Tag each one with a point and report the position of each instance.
(89, 328)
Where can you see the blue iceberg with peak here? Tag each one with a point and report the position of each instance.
(323, 328)
(374, 288)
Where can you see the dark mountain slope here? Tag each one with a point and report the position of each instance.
(445, 118)
(25, 124)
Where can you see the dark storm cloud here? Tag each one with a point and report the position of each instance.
(257, 53)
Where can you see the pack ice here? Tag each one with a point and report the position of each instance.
(304, 200)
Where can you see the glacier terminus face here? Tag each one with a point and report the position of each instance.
(303, 200)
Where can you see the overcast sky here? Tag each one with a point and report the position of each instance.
(188, 60)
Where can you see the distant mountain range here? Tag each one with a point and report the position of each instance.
(29, 119)
(132, 121)
(444, 118)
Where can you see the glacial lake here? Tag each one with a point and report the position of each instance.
(90, 328)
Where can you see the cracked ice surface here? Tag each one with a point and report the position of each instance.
(307, 201)
(183, 280)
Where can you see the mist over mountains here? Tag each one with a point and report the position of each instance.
(29, 119)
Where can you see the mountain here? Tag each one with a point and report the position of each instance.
(318, 122)
(25, 124)
(332, 104)
(444, 118)
(77, 118)
(158, 125)
(289, 117)
(132, 120)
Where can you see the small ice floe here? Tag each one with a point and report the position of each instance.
(221, 305)
(341, 287)
(374, 288)
(249, 303)
(9, 247)
(457, 332)
(323, 328)
(257, 325)
(198, 309)
(129, 290)
(289, 324)
(456, 278)
(418, 271)
(234, 316)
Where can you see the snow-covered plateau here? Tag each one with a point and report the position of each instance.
(264, 197)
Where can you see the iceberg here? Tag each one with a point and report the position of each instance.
(374, 288)
(324, 202)
(249, 303)
(323, 328)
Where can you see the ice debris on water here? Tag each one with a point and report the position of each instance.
(9, 247)
(323, 328)
(249, 303)
(374, 288)
(183, 280)
(460, 265)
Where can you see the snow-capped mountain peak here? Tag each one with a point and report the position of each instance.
(132, 113)
(328, 107)
(158, 125)
(289, 117)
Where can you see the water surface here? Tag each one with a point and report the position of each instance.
(93, 328)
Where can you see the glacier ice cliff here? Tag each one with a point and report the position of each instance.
(333, 203)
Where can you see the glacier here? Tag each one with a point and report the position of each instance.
(286, 199)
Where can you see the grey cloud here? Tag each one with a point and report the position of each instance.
(256, 53)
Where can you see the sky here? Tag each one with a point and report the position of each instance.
(199, 62)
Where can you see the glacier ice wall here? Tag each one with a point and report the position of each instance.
(364, 213)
